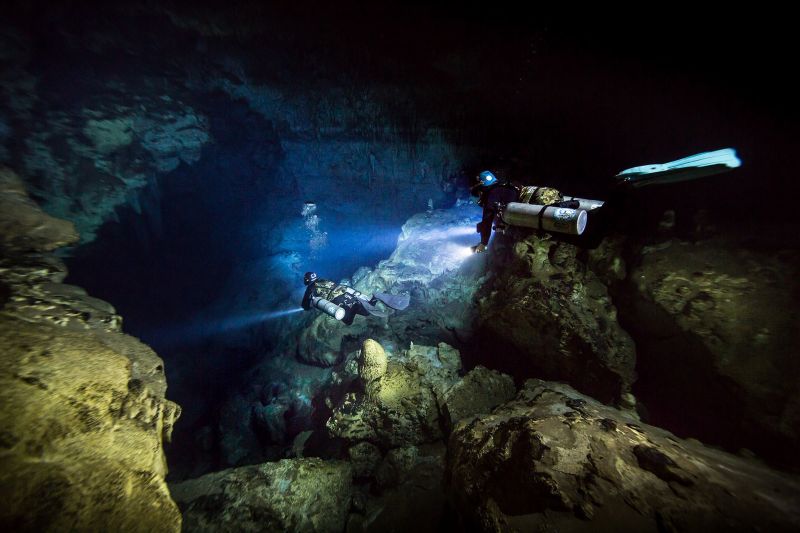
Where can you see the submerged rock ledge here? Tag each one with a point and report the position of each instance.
(84, 415)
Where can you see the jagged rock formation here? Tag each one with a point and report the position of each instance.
(401, 407)
(477, 392)
(394, 426)
(373, 362)
(289, 495)
(546, 313)
(433, 263)
(713, 321)
(83, 408)
(555, 459)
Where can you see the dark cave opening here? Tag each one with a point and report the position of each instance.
(211, 157)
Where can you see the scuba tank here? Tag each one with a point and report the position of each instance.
(328, 307)
(545, 217)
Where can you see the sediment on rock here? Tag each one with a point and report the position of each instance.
(554, 458)
(84, 415)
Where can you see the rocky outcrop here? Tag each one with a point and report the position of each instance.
(433, 263)
(289, 495)
(83, 408)
(401, 407)
(477, 393)
(555, 459)
(714, 328)
(405, 493)
(23, 226)
(546, 313)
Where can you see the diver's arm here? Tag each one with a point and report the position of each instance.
(307, 297)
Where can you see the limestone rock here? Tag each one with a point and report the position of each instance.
(23, 226)
(365, 458)
(555, 459)
(477, 393)
(373, 362)
(399, 411)
(396, 466)
(82, 433)
(713, 321)
(289, 495)
(82, 405)
(408, 494)
(547, 314)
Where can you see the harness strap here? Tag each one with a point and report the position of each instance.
(541, 216)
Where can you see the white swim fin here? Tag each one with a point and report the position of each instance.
(688, 168)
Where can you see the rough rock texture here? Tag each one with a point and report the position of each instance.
(546, 313)
(23, 226)
(477, 393)
(373, 363)
(290, 495)
(433, 263)
(364, 457)
(553, 459)
(407, 493)
(714, 325)
(83, 408)
(402, 407)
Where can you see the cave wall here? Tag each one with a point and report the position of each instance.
(84, 412)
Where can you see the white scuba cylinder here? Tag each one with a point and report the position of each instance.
(546, 217)
(328, 307)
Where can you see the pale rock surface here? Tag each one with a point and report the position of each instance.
(82, 405)
(303, 495)
(554, 459)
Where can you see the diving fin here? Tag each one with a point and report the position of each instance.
(397, 302)
(688, 168)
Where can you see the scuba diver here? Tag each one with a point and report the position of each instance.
(545, 208)
(344, 303)
(492, 195)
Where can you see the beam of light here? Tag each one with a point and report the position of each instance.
(442, 249)
(178, 334)
(240, 322)
(446, 234)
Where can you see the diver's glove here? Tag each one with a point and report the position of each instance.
(478, 248)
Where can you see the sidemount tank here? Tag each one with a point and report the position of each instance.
(548, 218)
(328, 307)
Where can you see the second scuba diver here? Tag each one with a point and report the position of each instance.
(344, 303)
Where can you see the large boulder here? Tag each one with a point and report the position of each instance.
(82, 405)
(401, 406)
(478, 392)
(25, 227)
(554, 459)
(547, 314)
(718, 343)
(289, 495)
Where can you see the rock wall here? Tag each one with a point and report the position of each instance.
(546, 313)
(84, 415)
(289, 495)
(717, 341)
(555, 459)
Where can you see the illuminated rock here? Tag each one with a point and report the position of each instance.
(555, 459)
(373, 362)
(713, 328)
(82, 404)
(477, 393)
(546, 314)
(288, 495)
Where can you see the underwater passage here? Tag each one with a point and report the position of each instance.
(362, 267)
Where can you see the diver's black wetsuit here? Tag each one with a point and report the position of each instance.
(489, 198)
(331, 291)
